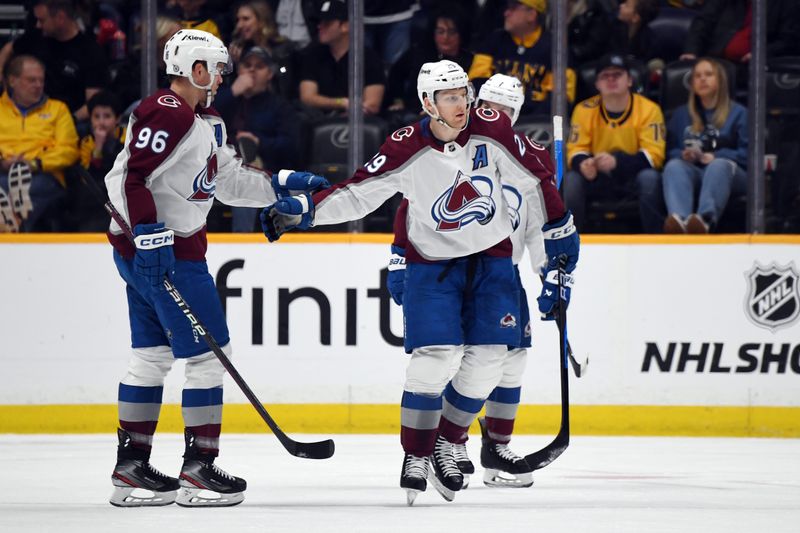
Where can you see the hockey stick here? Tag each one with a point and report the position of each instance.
(580, 369)
(549, 453)
(309, 450)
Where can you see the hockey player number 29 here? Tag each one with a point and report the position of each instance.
(159, 140)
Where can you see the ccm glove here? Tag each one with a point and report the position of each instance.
(396, 279)
(548, 299)
(288, 182)
(291, 212)
(154, 257)
(561, 241)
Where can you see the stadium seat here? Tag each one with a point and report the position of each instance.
(670, 29)
(675, 84)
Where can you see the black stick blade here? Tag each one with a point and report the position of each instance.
(549, 453)
(311, 450)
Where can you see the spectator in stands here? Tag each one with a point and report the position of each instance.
(76, 65)
(707, 150)
(98, 150)
(324, 67)
(295, 20)
(387, 27)
(522, 49)
(255, 26)
(127, 81)
(631, 35)
(193, 14)
(723, 29)
(37, 142)
(616, 147)
(588, 32)
(446, 39)
(259, 122)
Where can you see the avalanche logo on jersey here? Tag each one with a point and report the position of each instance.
(204, 183)
(467, 200)
(514, 201)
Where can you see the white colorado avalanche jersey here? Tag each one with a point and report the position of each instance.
(175, 162)
(457, 206)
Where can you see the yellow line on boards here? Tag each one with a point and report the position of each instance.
(385, 238)
(633, 420)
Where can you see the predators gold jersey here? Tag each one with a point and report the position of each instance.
(639, 129)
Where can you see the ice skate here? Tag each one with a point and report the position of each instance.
(19, 188)
(465, 466)
(444, 473)
(414, 476)
(136, 482)
(200, 476)
(502, 467)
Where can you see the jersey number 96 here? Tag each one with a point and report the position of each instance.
(159, 140)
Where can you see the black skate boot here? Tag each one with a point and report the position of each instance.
(199, 473)
(134, 472)
(413, 476)
(498, 459)
(444, 473)
(465, 466)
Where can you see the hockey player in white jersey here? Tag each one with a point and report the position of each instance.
(174, 163)
(502, 467)
(460, 283)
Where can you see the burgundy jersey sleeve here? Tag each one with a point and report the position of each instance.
(373, 183)
(532, 156)
(157, 128)
(400, 228)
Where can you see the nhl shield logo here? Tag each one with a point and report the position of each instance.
(773, 297)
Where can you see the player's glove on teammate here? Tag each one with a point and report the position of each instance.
(291, 212)
(561, 245)
(154, 257)
(396, 279)
(288, 182)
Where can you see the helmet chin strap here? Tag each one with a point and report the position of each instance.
(207, 88)
(438, 118)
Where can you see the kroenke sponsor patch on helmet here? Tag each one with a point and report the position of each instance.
(773, 297)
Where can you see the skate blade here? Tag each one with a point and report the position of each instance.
(446, 493)
(136, 497)
(466, 482)
(498, 478)
(411, 495)
(193, 497)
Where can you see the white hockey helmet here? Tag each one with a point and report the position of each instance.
(188, 46)
(503, 90)
(440, 76)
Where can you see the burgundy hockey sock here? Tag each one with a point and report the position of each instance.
(142, 404)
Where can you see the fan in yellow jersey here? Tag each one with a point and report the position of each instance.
(616, 147)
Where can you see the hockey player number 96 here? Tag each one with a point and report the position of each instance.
(159, 140)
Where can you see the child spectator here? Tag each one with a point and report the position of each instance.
(98, 150)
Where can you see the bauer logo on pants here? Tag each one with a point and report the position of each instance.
(773, 299)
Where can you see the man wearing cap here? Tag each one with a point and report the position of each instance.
(522, 49)
(258, 118)
(616, 147)
(324, 75)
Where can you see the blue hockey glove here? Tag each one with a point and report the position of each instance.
(561, 239)
(288, 182)
(396, 279)
(154, 257)
(548, 299)
(287, 214)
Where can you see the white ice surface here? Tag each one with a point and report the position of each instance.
(600, 484)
